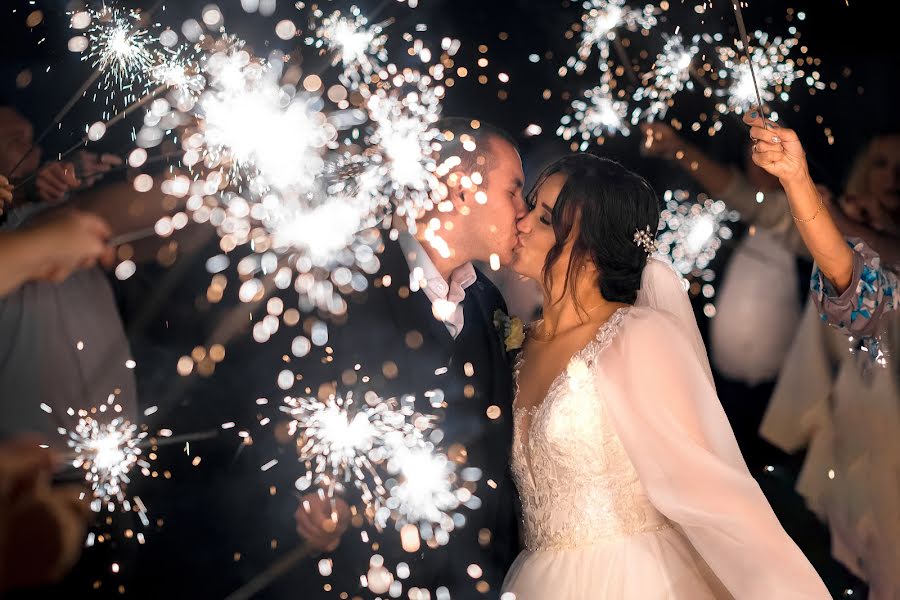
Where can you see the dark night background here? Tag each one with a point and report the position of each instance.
(857, 47)
(855, 43)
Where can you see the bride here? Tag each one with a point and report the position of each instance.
(632, 483)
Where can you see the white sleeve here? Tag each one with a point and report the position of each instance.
(666, 412)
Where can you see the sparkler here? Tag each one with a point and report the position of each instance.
(692, 232)
(599, 113)
(402, 172)
(107, 448)
(281, 178)
(343, 443)
(268, 139)
(426, 492)
(600, 22)
(745, 42)
(179, 69)
(775, 73)
(356, 44)
(119, 51)
(672, 73)
(107, 453)
(119, 48)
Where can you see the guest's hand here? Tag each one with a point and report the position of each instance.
(321, 521)
(91, 167)
(45, 534)
(660, 141)
(68, 240)
(43, 528)
(55, 180)
(23, 464)
(6, 191)
(777, 150)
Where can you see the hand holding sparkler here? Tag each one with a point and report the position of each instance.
(777, 150)
(74, 240)
(41, 528)
(322, 521)
(91, 167)
(6, 192)
(55, 180)
(661, 141)
(52, 248)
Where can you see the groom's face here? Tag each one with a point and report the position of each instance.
(492, 224)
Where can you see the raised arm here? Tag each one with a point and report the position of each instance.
(778, 150)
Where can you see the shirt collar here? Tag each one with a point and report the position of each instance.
(423, 273)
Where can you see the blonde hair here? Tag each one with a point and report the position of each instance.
(858, 177)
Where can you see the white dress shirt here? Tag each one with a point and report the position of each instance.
(446, 298)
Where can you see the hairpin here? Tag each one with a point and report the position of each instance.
(646, 240)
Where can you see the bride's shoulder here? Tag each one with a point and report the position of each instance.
(644, 319)
(644, 326)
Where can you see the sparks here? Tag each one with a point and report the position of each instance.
(356, 44)
(107, 453)
(119, 47)
(426, 492)
(692, 232)
(269, 139)
(343, 443)
(598, 114)
(179, 70)
(403, 136)
(600, 22)
(671, 74)
(775, 73)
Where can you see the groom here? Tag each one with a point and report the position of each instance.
(426, 323)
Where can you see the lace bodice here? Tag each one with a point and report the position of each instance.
(577, 484)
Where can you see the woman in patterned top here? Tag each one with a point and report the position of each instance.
(851, 287)
(842, 406)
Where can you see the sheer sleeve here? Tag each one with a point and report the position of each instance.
(666, 413)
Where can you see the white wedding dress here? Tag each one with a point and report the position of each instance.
(632, 484)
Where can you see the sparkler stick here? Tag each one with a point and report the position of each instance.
(626, 61)
(132, 236)
(59, 116)
(98, 70)
(698, 77)
(118, 117)
(159, 442)
(273, 572)
(745, 41)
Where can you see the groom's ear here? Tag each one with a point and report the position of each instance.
(461, 197)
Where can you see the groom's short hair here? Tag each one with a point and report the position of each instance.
(454, 131)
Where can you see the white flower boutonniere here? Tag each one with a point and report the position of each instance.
(511, 330)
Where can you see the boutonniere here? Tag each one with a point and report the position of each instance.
(511, 330)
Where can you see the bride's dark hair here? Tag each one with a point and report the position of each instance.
(607, 203)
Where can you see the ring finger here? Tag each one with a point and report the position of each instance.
(761, 146)
(768, 135)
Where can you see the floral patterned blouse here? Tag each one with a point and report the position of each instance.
(858, 311)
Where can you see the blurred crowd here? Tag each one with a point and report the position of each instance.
(801, 339)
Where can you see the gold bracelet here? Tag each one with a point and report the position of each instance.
(812, 218)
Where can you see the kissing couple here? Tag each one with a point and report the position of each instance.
(608, 466)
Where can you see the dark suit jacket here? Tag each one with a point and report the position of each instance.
(393, 336)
